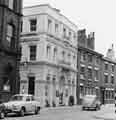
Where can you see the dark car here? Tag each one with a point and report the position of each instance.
(91, 102)
(2, 111)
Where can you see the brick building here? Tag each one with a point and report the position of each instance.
(10, 16)
(89, 66)
(108, 76)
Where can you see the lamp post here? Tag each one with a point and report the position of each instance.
(25, 66)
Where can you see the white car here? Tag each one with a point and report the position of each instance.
(22, 103)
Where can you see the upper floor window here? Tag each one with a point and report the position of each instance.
(11, 4)
(49, 25)
(112, 67)
(83, 56)
(33, 52)
(54, 78)
(64, 32)
(112, 79)
(96, 60)
(82, 69)
(106, 78)
(106, 66)
(69, 57)
(33, 25)
(70, 34)
(74, 58)
(48, 51)
(89, 73)
(56, 28)
(96, 75)
(90, 58)
(55, 53)
(21, 26)
(48, 77)
(9, 35)
(63, 55)
(73, 81)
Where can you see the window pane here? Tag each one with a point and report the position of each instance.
(33, 25)
(56, 28)
(49, 25)
(32, 52)
(9, 32)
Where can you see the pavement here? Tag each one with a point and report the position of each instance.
(107, 112)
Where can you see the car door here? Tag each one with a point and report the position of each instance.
(33, 103)
(28, 104)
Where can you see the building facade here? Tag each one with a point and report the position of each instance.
(10, 16)
(108, 76)
(89, 66)
(49, 55)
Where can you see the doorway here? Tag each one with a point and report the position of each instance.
(31, 86)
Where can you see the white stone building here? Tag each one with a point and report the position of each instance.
(49, 55)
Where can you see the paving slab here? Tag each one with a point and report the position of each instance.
(106, 116)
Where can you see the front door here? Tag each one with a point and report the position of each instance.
(31, 86)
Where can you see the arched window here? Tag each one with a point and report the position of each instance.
(55, 54)
(48, 52)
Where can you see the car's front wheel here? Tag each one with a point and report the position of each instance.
(97, 107)
(2, 115)
(37, 110)
(22, 112)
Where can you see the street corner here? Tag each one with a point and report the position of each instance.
(106, 116)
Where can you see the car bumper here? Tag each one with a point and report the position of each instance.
(12, 111)
(89, 106)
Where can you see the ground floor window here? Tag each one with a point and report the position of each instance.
(109, 94)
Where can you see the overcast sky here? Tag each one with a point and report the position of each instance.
(97, 16)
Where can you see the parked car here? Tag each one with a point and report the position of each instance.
(91, 102)
(22, 103)
(2, 111)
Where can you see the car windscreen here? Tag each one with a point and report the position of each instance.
(16, 98)
(89, 98)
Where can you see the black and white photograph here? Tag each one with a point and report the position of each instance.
(57, 60)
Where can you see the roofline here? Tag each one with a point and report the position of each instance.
(54, 10)
(90, 50)
(109, 60)
(36, 6)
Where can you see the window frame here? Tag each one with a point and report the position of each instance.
(33, 27)
(33, 54)
(10, 34)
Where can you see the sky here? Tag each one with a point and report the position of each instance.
(97, 16)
